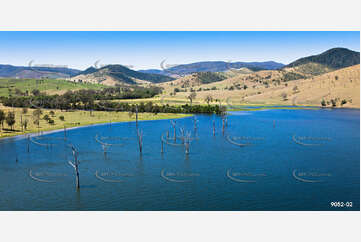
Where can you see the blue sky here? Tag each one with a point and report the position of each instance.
(145, 50)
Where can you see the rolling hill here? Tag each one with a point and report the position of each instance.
(335, 58)
(274, 87)
(117, 74)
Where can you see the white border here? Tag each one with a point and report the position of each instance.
(180, 15)
(179, 226)
(194, 15)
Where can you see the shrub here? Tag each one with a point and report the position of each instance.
(333, 103)
(37, 112)
(295, 89)
(2, 117)
(10, 119)
(46, 117)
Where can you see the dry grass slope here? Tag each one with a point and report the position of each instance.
(276, 87)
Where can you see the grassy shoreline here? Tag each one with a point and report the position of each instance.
(75, 119)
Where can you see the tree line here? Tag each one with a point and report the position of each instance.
(100, 100)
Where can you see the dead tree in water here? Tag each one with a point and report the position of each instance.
(162, 148)
(223, 124)
(75, 165)
(214, 127)
(174, 127)
(195, 121)
(182, 135)
(187, 139)
(140, 141)
(28, 138)
(104, 147)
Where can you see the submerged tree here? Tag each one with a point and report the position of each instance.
(75, 165)
(140, 141)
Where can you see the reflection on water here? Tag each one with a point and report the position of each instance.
(294, 160)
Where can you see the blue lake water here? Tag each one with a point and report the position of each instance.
(295, 160)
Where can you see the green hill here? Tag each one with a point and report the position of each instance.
(124, 74)
(335, 58)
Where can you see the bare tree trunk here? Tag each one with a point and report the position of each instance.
(214, 128)
(28, 143)
(140, 141)
(187, 141)
(195, 124)
(104, 151)
(75, 165)
(162, 149)
(187, 148)
(182, 134)
(175, 132)
(223, 126)
(77, 178)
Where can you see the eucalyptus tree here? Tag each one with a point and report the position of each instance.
(10, 120)
(2, 118)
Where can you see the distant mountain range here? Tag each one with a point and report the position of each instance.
(214, 66)
(335, 58)
(327, 61)
(9, 71)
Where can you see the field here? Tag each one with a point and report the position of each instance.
(50, 86)
(74, 119)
